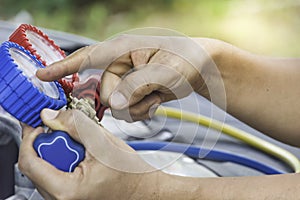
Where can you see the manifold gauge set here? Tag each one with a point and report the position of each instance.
(24, 96)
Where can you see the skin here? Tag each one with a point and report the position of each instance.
(261, 91)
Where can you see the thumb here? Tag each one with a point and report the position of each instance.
(133, 88)
(98, 142)
(62, 120)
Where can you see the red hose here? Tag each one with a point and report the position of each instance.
(90, 88)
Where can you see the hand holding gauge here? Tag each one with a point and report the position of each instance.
(24, 96)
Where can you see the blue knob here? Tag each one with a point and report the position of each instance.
(59, 149)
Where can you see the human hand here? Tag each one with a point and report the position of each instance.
(110, 170)
(141, 72)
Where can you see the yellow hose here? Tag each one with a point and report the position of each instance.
(252, 140)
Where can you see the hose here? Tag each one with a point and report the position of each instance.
(211, 154)
(256, 142)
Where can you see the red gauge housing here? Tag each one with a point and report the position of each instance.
(40, 45)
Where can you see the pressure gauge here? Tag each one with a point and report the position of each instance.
(39, 44)
(22, 94)
(29, 67)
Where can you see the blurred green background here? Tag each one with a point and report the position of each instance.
(270, 27)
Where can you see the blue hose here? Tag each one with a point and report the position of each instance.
(196, 152)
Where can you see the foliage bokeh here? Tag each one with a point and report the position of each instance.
(269, 27)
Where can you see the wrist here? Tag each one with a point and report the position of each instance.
(150, 186)
(156, 185)
(214, 48)
(214, 58)
(183, 188)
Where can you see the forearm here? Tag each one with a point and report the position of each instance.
(260, 187)
(261, 91)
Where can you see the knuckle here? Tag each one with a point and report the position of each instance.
(132, 80)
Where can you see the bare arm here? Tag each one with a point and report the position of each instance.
(261, 91)
(284, 187)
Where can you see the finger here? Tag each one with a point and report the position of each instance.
(70, 65)
(42, 173)
(109, 82)
(78, 125)
(146, 108)
(109, 51)
(62, 120)
(140, 83)
(142, 56)
(100, 55)
(142, 110)
(113, 75)
(122, 66)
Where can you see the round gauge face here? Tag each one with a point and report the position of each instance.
(29, 68)
(47, 52)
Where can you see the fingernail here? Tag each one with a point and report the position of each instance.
(152, 109)
(118, 100)
(49, 114)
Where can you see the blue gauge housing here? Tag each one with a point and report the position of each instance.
(20, 95)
